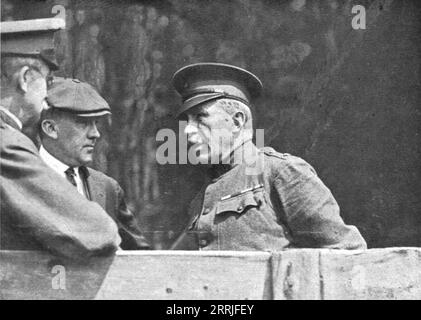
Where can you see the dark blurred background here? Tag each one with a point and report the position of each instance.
(345, 100)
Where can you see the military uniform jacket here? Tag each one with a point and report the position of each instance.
(110, 196)
(281, 205)
(41, 211)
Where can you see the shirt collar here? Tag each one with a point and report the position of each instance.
(12, 116)
(53, 162)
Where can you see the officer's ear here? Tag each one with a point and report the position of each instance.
(239, 119)
(23, 79)
(25, 76)
(49, 128)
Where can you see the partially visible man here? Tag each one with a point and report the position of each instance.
(39, 209)
(69, 133)
(253, 199)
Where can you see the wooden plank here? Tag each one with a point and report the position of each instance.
(189, 275)
(139, 275)
(34, 275)
(391, 273)
(296, 274)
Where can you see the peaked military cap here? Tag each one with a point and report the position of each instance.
(31, 38)
(203, 82)
(76, 97)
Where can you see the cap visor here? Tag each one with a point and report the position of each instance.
(93, 114)
(198, 100)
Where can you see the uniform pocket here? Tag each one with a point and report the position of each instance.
(240, 203)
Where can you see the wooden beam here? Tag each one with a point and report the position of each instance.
(391, 273)
(296, 274)
(138, 275)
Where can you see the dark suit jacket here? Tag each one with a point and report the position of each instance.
(105, 191)
(40, 210)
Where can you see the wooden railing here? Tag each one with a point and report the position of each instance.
(392, 273)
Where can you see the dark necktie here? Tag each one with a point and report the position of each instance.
(70, 174)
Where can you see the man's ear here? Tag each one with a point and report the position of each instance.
(239, 119)
(49, 127)
(23, 79)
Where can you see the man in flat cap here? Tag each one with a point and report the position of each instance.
(68, 135)
(39, 209)
(253, 199)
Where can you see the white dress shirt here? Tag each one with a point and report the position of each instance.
(60, 168)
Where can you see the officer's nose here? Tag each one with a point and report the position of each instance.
(190, 128)
(45, 105)
(94, 132)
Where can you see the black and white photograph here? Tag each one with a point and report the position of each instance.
(217, 150)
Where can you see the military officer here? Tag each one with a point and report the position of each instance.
(253, 198)
(69, 132)
(39, 209)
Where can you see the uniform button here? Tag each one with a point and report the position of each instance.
(240, 208)
(206, 211)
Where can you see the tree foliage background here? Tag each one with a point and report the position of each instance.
(347, 101)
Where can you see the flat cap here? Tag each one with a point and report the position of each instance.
(76, 97)
(32, 38)
(203, 82)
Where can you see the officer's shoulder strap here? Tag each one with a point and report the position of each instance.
(271, 153)
(293, 161)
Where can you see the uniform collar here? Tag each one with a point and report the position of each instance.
(243, 153)
(12, 117)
